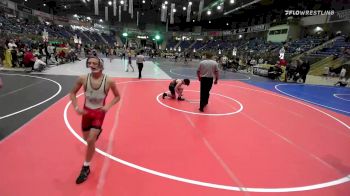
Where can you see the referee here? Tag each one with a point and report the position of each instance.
(207, 70)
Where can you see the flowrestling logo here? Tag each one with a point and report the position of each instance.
(308, 12)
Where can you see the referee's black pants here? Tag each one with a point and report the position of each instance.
(140, 66)
(206, 84)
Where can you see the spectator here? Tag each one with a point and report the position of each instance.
(39, 65)
(29, 59)
(304, 70)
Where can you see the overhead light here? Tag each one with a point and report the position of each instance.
(65, 7)
(193, 20)
(166, 2)
(184, 8)
(122, 2)
(226, 24)
(317, 29)
(209, 21)
(75, 15)
(143, 1)
(174, 10)
(101, 20)
(88, 18)
(232, 1)
(25, 0)
(44, 4)
(164, 7)
(190, 3)
(209, 12)
(219, 7)
(109, 2)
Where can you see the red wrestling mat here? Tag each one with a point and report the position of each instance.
(248, 142)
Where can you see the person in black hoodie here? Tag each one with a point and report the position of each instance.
(304, 70)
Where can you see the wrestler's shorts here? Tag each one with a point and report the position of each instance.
(92, 119)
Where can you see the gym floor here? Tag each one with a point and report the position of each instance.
(256, 137)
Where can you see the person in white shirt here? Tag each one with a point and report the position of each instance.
(139, 61)
(96, 87)
(342, 73)
(12, 44)
(39, 65)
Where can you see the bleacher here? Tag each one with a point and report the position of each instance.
(185, 44)
(110, 39)
(335, 49)
(197, 45)
(302, 45)
(171, 43)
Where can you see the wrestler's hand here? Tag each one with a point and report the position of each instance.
(80, 111)
(105, 108)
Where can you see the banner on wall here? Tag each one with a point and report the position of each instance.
(188, 16)
(74, 22)
(43, 15)
(85, 24)
(251, 29)
(172, 8)
(96, 6)
(125, 8)
(201, 4)
(195, 34)
(120, 14)
(11, 5)
(114, 7)
(256, 28)
(6, 10)
(215, 33)
(227, 33)
(343, 15)
(106, 13)
(164, 12)
(24, 9)
(3, 3)
(61, 19)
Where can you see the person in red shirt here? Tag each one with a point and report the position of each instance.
(62, 56)
(283, 62)
(28, 59)
(283, 65)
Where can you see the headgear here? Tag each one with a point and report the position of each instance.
(100, 61)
